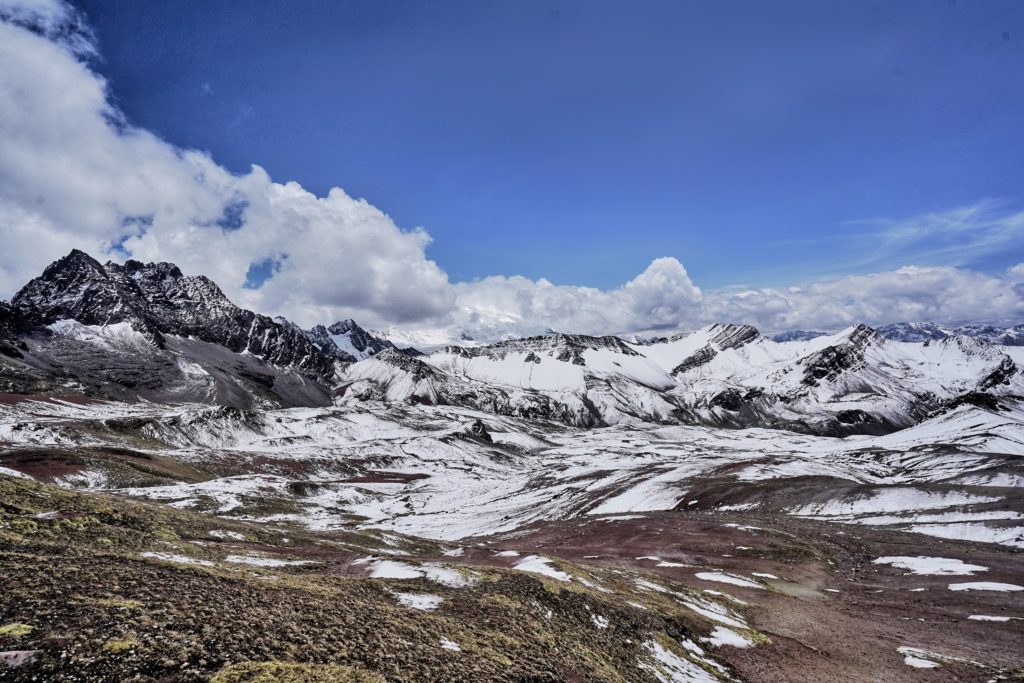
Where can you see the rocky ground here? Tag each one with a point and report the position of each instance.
(99, 588)
(162, 542)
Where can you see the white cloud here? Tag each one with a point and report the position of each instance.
(74, 174)
(663, 297)
(937, 294)
(956, 237)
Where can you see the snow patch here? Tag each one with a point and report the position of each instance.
(931, 566)
(541, 565)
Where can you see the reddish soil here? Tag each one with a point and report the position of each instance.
(832, 615)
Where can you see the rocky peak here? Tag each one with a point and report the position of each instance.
(157, 299)
(78, 287)
(360, 339)
(417, 369)
(322, 340)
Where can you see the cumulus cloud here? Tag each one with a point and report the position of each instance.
(938, 294)
(74, 173)
(660, 297)
(663, 297)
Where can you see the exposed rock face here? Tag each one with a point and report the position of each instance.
(721, 337)
(479, 430)
(566, 347)
(703, 356)
(321, 339)
(732, 336)
(832, 361)
(11, 325)
(927, 332)
(361, 340)
(1001, 375)
(158, 300)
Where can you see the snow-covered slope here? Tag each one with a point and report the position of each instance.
(425, 470)
(575, 379)
(851, 381)
(854, 381)
(346, 341)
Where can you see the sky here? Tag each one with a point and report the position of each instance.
(583, 166)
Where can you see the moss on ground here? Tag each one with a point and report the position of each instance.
(15, 630)
(280, 672)
(104, 612)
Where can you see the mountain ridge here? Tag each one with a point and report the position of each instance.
(149, 331)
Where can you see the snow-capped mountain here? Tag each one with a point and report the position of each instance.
(478, 334)
(855, 381)
(1007, 336)
(156, 299)
(611, 466)
(915, 332)
(924, 331)
(347, 342)
(148, 331)
(798, 335)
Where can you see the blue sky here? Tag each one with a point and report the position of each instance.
(758, 143)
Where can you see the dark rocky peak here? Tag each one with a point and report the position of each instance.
(360, 339)
(135, 268)
(347, 342)
(78, 287)
(157, 299)
(321, 339)
(1002, 374)
(863, 335)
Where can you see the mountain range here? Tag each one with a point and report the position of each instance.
(148, 331)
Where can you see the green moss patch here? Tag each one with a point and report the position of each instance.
(280, 672)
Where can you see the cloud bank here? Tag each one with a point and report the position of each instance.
(74, 173)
